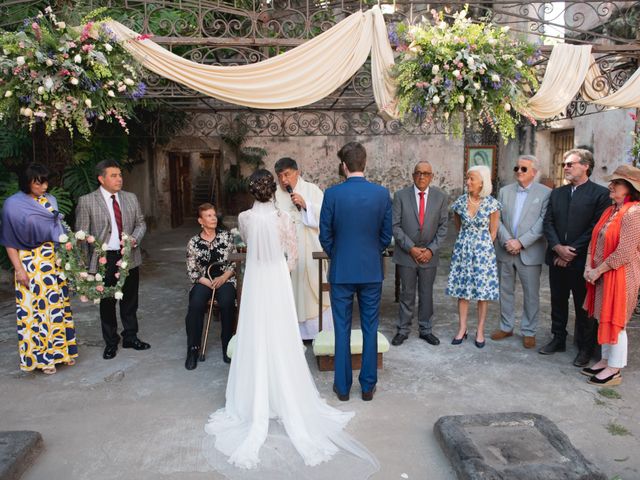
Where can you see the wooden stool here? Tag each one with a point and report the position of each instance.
(324, 343)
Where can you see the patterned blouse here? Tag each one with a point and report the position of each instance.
(201, 253)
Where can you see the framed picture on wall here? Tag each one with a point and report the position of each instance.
(481, 155)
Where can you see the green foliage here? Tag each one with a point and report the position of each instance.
(15, 144)
(66, 204)
(80, 178)
(617, 430)
(609, 393)
(463, 72)
(234, 181)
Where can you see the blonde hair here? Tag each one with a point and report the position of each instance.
(485, 175)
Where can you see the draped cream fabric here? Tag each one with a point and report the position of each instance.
(566, 70)
(318, 67)
(296, 78)
(572, 69)
(627, 96)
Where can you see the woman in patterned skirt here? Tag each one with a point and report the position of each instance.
(612, 273)
(209, 250)
(474, 270)
(30, 227)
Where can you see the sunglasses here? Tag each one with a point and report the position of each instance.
(422, 174)
(568, 164)
(521, 169)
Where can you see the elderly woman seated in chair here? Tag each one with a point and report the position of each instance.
(211, 275)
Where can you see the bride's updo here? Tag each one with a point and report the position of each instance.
(262, 185)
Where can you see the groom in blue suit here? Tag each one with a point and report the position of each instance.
(355, 227)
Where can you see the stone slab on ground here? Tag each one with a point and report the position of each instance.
(511, 446)
(18, 450)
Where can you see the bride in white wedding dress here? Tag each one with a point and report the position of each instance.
(269, 377)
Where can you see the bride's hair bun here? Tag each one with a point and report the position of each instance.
(262, 185)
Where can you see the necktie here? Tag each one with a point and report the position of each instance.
(118, 214)
(421, 211)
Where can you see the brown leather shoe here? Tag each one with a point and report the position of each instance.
(501, 335)
(528, 342)
(368, 396)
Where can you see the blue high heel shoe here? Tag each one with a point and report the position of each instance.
(458, 341)
(479, 344)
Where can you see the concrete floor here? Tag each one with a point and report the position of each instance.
(141, 415)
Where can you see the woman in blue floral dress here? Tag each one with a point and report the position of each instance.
(474, 271)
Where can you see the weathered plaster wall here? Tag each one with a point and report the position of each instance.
(390, 159)
(608, 133)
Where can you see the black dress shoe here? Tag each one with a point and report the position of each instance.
(368, 396)
(192, 358)
(136, 344)
(110, 352)
(342, 398)
(398, 339)
(430, 338)
(226, 358)
(553, 346)
(582, 359)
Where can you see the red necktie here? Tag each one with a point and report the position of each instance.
(118, 214)
(421, 211)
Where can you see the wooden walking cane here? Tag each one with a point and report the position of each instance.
(205, 332)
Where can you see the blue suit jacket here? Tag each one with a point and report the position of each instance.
(355, 227)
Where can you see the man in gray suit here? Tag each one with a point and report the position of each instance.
(107, 213)
(420, 218)
(520, 248)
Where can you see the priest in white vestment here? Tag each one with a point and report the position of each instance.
(302, 200)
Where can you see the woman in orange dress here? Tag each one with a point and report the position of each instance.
(612, 273)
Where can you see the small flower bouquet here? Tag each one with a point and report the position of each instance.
(66, 77)
(463, 71)
(237, 240)
(91, 286)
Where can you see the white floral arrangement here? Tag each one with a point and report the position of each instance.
(463, 72)
(67, 77)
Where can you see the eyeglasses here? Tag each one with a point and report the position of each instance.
(522, 169)
(423, 174)
(568, 164)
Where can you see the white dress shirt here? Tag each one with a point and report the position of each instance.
(114, 242)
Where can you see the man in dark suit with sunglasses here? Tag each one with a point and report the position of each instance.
(573, 211)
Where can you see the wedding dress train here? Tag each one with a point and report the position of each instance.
(269, 377)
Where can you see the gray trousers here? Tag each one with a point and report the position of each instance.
(423, 278)
(529, 276)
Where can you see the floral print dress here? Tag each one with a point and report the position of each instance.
(201, 253)
(474, 270)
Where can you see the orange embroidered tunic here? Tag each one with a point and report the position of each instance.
(627, 255)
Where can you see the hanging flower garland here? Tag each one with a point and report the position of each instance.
(71, 258)
(66, 77)
(635, 148)
(463, 71)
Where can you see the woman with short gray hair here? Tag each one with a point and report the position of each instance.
(474, 270)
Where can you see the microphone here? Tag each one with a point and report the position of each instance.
(290, 192)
